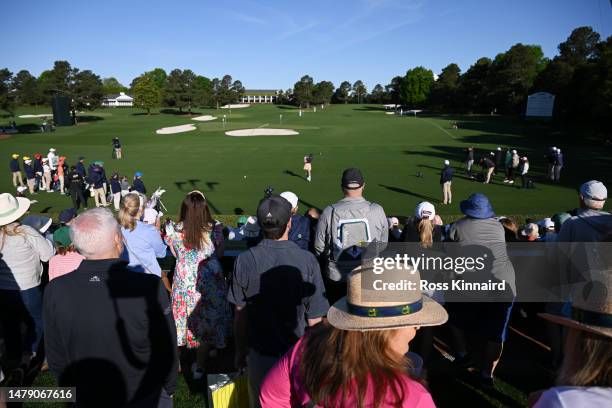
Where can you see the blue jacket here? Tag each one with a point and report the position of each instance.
(559, 159)
(115, 186)
(139, 186)
(96, 178)
(446, 175)
(38, 167)
(14, 165)
(29, 171)
(80, 168)
(300, 231)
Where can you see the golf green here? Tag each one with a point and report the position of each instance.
(400, 156)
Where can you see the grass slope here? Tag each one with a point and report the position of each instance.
(390, 150)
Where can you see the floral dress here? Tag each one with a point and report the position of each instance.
(199, 291)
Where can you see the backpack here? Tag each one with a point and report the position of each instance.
(349, 235)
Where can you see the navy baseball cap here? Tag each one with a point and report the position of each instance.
(273, 212)
(352, 179)
(67, 215)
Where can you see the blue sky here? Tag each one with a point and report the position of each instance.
(271, 44)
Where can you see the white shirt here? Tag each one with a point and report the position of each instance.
(46, 168)
(570, 397)
(22, 254)
(52, 160)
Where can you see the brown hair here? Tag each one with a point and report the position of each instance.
(425, 228)
(197, 220)
(587, 361)
(62, 250)
(510, 229)
(338, 363)
(129, 211)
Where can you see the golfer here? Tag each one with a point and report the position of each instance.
(308, 166)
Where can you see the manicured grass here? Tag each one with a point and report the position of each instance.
(390, 150)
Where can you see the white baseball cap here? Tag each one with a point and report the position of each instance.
(425, 209)
(594, 190)
(52, 149)
(547, 223)
(514, 152)
(393, 221)
(498, 148)
(446, 163)
(291, 197)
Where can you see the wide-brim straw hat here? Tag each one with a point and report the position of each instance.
(12, 208)
(365, 309)
(591, 306)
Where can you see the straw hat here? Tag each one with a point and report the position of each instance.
(591, 306)
(364, 308)
(11, 208)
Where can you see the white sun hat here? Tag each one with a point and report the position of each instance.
(291, 197)
(12, 208)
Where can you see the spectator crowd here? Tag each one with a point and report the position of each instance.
(95, 299)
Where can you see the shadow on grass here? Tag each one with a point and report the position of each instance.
(145, 114)
(88, 118)
(373, 108)
(294, 174)
(288, 107)
(170, 111)
(410, 193)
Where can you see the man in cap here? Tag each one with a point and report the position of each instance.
(499, 159)
(446, 179)
(80, 167)
(487, 165)
(53, 159)
(277, 291)
(550, 160)
(591, 223)
(300, 225)
(76, 187)
(343, 231)
(15, 170)
(469, 160)
(138, 185)
(97, 180)
(38, 168)
(30, 174)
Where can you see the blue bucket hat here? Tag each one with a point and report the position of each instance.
(477, 206)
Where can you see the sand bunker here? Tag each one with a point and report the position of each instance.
(236, 106)
(43, 115)
(261, 132)
(205, 118)
(175, 129)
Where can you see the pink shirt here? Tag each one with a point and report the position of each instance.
(283, 388)
(62, 264)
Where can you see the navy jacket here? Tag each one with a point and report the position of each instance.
(300, 231)
(446, 175)
(14, 165)
(29, 171)
(115, 186)
(139, 186)
(80, 168)
(559, 159)
(96, 178)
(38, 167)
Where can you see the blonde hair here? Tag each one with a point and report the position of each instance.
(130, 208)
(587, 361)
(425, 228)
(6, 232)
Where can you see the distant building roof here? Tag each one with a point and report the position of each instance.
(262, 92)
(121, 95)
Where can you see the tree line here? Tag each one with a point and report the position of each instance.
(181, 89)
(579, 76)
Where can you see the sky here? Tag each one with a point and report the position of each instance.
(271, 44)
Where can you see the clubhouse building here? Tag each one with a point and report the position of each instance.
(259, 96)
(115, 100)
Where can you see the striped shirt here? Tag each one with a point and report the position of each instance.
(62, 264)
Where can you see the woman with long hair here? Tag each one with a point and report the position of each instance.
(199, 290)
(22, 249)
(585, 376)
(359, 358)
(421, 227)
(142, 243)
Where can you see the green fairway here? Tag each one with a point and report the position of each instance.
(233, 172)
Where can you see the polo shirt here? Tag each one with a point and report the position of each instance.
(280, 286)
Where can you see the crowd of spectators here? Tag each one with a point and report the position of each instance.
(113, 314)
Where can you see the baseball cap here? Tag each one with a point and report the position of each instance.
(446, 163)
(52, 149)
(513, 151)
(594, 190)
(560, 218)
(243, 219)
(62, 235)
(273, 212)
(138, 174)
(547, 223)
(291, 197)
(393, 221)
(425, 209)
(99, 163)
(530, 229)
(15, 155)
(352, 179)
(67, 215)
(38, 222)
